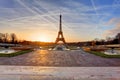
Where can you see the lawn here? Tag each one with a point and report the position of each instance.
(15, 54)
(101, 54)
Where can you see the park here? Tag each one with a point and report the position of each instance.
(59, 39)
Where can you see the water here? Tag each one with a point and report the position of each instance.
(114, 52)
(7, 51)
(60, 47)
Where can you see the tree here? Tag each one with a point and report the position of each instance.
(108, 39)
(1, 37)
(96, 41)
(13, 38)
(5, 37)
(102, 42)
(118, 37)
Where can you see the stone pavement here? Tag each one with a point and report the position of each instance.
(58, 73)
(71, 58)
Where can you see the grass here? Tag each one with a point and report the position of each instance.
(103, 55)
(15, 54)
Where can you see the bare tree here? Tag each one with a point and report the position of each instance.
(108, 39)
(102, 42)
(96, 39)
(6, 37)
(13, 38)
(1, 37)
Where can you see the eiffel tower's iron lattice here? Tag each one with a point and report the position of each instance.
(60, 36)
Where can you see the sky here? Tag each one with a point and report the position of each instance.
(38, 20)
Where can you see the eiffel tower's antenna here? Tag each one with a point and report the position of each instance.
(60, 26)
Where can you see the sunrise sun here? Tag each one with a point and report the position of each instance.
(43, 38)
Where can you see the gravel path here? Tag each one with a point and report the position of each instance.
(59, 58)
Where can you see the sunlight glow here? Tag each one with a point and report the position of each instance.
(41, 37)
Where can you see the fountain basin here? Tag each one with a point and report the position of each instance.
(7, 51)
(110, 52)
(60, 47)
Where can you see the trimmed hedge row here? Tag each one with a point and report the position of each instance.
(104, 55)
(16, 53)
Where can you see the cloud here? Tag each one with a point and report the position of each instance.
(43, 15)
(115, 29)
(113, 21)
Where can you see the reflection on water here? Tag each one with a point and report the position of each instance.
(7, 51)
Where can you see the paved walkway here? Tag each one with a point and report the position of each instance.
(59, 58)
(58, 73)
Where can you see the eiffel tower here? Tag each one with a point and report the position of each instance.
(60, 33)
